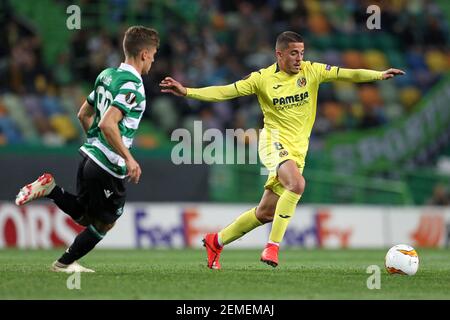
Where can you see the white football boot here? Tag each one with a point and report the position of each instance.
(69, 268)
(38, 189)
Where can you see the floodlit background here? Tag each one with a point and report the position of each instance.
(378, 169)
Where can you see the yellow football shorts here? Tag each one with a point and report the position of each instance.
(272, 154)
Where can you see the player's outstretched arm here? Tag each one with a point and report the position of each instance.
(213, 93)
(364, 75)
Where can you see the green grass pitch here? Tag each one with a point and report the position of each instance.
(182, 274)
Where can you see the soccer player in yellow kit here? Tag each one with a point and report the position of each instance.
(287, 93)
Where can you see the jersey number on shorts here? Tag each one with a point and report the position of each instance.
(104, 100)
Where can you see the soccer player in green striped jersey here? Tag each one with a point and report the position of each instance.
(110, 117)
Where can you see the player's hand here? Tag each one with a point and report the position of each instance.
(170, 85)
(390, 73)
(133, 170)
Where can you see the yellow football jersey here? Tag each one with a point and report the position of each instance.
(288, 101)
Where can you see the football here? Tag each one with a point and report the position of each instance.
(402, 259)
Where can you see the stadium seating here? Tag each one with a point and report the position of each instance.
(49, 70)
(326, 41)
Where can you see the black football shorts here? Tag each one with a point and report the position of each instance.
(102, 195)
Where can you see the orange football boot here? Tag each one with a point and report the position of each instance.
(270, 255)
(213, 250)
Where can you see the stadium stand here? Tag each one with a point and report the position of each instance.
(207, 45)
(48, 71)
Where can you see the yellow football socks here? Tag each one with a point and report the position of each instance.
(243, 224)
(284, 211)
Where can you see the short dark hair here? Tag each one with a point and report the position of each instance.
(287, 37)
(137, 38)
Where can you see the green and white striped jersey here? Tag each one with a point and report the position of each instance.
(123, 88)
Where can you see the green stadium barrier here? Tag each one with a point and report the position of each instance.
(244, 183)
(423, 182)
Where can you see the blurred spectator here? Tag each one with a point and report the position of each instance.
(440, 196)
(217, 42)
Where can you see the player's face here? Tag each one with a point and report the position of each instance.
(291, 57)
(148, 57)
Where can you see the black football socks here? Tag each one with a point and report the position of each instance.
(67, 202)
(84, 242)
